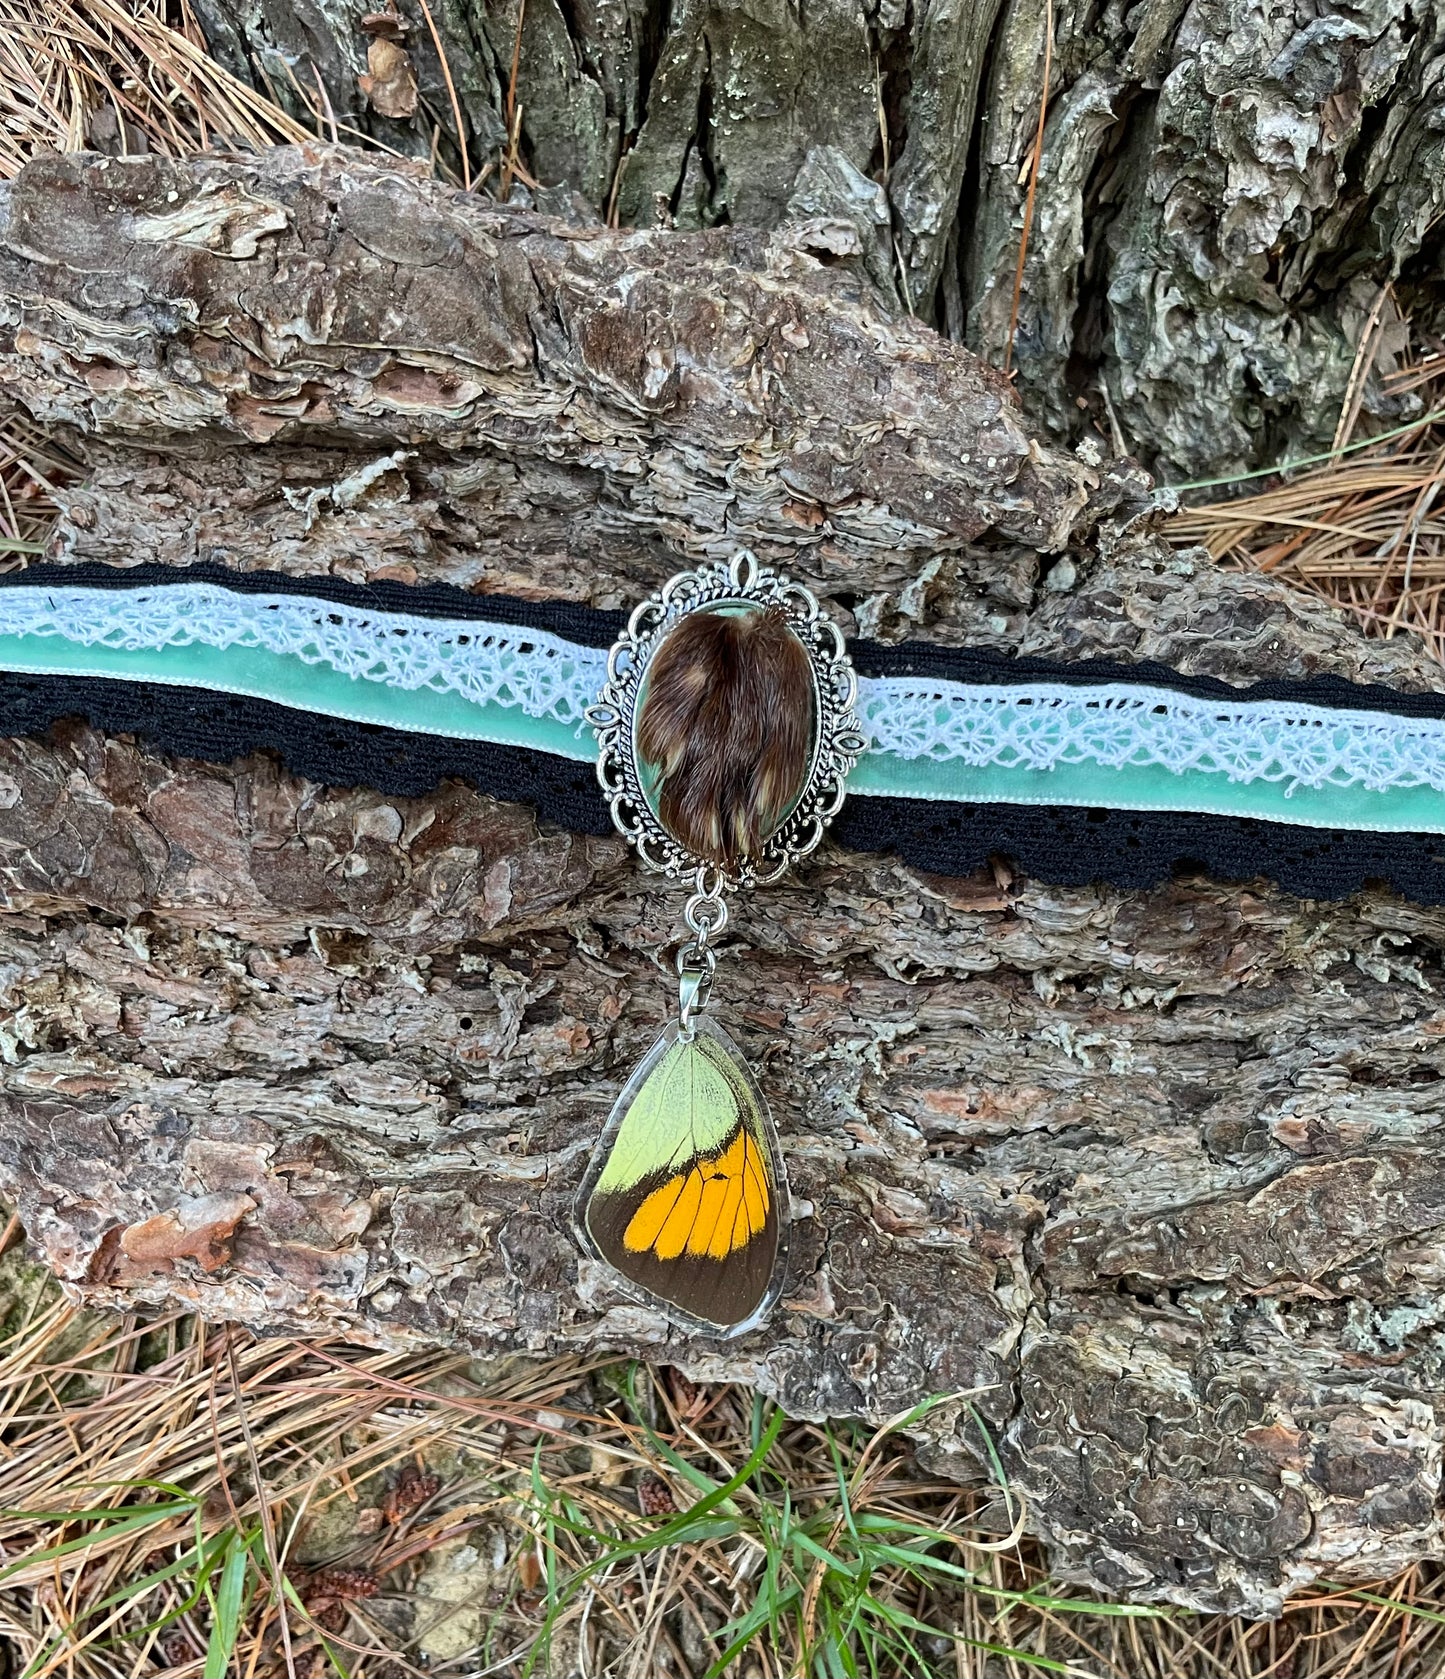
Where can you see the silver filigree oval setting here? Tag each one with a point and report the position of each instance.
(838, 742)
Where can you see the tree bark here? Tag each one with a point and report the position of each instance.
(1153, 1177)
(1225, 192)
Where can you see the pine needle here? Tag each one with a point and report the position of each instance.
(79, 73)
(1364, 527)
(1035, 159)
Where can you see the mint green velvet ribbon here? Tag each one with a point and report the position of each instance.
(291, 681)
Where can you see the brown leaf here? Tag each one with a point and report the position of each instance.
(391, 84)
(529, 1570)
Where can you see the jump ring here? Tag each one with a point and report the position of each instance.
(705, 927)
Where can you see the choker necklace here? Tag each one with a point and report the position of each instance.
(1078, 771)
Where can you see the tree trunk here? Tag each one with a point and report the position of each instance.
(1233, 203)
(1154, 1177)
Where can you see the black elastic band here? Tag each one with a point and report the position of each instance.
(220, 728)
(983, 667)
(1071, 845)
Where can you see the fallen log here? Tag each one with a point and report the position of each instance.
(1151, 1177)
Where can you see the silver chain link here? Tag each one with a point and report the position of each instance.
(706, 915)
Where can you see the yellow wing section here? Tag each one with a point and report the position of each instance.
(709, 1211)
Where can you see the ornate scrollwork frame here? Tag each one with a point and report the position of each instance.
(838, 743)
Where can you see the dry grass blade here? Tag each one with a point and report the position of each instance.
(553, 1519)
(1365, 530)
(461, 127)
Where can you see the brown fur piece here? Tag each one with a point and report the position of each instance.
(728, 723)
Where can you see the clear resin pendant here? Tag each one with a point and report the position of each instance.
(686, 1197)
(725, 735)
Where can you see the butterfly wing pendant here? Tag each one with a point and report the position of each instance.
(686, 1198)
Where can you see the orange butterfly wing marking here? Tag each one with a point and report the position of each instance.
(714, 1208)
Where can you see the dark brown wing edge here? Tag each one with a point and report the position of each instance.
(725, 1292)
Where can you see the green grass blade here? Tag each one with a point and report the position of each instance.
(674, 1531)
(1045, 1664)
(1377, 1601)
(677, 1527)
(845, 1498)
(669, 1454)
(201, 1563)
(742, 1631)
(919, 1562)
(820, 1554)
(149, 1485)
(103, 1513)
(1311, 460)
(227, 1608)
(87, 1541)
(995, 1462)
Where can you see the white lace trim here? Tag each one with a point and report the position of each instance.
(489, 664)
(1036, 725)
(1031, 725)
